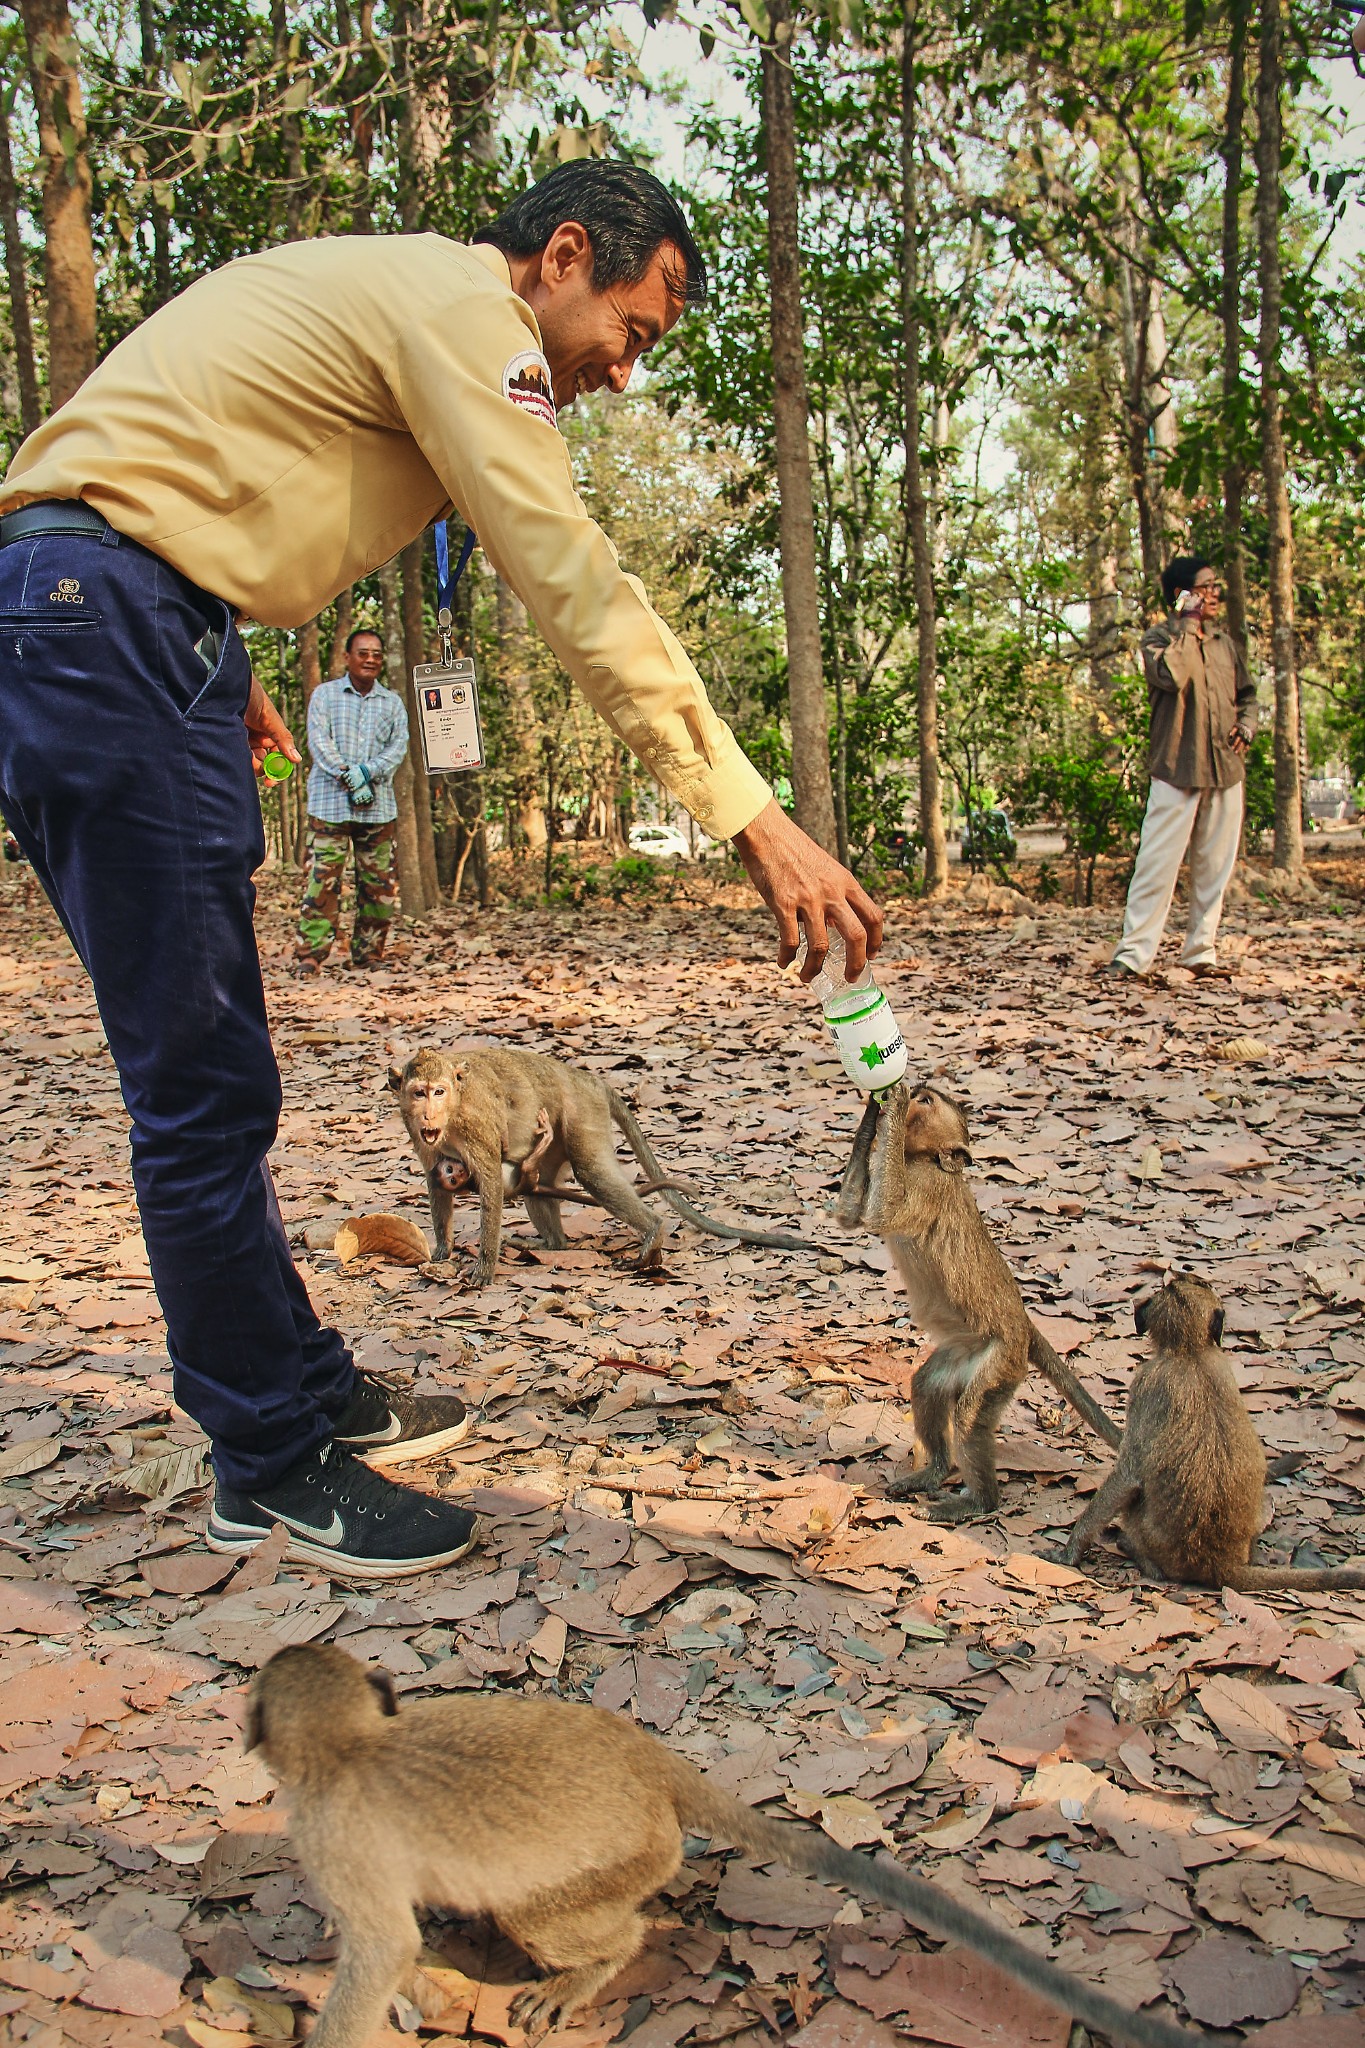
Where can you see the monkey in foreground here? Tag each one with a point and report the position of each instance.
(558, 1821)
(1186, 1487)
(518, 1123)
(906, 1181)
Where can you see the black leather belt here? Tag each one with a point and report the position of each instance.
(52, 515)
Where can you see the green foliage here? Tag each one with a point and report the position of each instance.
(635, 875)
(1091, 794)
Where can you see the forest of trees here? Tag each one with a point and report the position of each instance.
(1010, 301)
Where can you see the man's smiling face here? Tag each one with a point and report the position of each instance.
(593, 338)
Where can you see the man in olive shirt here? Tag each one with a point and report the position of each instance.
(1203, 719)
(286, 425)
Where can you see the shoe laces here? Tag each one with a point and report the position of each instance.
(367, 1493)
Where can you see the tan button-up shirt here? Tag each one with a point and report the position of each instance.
(1200, 691)
(293, 420)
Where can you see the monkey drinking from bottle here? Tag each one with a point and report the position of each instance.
(906, 1181)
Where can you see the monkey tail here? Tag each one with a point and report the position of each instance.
(1042, 1355)
(1270, 1578)
(737, 1233)
(705, 1811)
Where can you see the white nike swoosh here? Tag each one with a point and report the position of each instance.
(380, 1436)
(332, 1535)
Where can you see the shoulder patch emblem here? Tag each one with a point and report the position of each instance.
(526, 381)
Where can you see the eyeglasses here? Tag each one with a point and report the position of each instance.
(1208, 589)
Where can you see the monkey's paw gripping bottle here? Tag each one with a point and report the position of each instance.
(862, 1023)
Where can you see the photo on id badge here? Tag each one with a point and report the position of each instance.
(452, 736)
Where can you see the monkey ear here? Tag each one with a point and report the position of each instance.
(253, 1731)
(1216, 1327)
(961, 1152)
(383, 1686)
(951, 1162)
(395, 1078)
(459, 1070)
(1141, 1311)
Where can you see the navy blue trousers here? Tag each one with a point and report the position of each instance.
(125, 775)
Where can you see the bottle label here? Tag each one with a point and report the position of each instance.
(869, 1040)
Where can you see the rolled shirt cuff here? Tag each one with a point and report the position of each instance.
(723, 799)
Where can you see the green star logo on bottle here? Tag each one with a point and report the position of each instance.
(871, 1056)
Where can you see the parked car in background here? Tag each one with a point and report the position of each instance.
(662, 842)
(1330, 797)
(988, 835)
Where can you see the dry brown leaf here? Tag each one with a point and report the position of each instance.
(381, 1236)
(33, 1456)
(1242, 1049)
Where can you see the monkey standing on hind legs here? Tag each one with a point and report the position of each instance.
(519, 1122)
(1187, 1484)
(559, 1822)
(906, 1181)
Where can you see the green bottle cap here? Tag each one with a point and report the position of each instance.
(277, 767)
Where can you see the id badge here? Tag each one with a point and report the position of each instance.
(448, 703)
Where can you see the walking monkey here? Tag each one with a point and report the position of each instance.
(518, 1123)
(557, 1820)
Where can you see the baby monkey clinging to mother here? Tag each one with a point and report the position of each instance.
(906, 1180)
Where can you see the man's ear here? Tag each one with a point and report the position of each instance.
(395, 1078)
(1216, 1327)
(253, 1731)
(1141, 1311)
(383, 1685)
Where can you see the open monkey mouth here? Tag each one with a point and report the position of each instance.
(430, 1134)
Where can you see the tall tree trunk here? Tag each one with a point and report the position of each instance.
(16, 276)
(812, 786)
(161, 220)
(412, 895)
(1141, 377)
(1274, 481)
(414, 650)
(343, 619)
(916, 504)
(290, 125)
(66, 196)
(310, 660)
(519, 704)
(354, 95)
(1234, 472)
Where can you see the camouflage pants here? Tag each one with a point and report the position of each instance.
(328, 849)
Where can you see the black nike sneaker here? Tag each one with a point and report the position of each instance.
(386, 1425)
(344, 1517)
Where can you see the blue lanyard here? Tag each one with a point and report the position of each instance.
(445, 582)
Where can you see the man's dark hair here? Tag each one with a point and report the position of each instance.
(627, 213)
(1179, 574)
(363, 633)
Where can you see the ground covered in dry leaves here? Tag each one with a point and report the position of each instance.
(683, 1482)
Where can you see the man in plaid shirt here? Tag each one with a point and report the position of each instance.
(357, 735)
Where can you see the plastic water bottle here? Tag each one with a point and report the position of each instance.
(862, 1022)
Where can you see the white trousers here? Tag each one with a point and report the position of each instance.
(1209, 822)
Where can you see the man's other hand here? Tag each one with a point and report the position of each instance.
(266, 730)
(1239, 739)
(807, 890)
